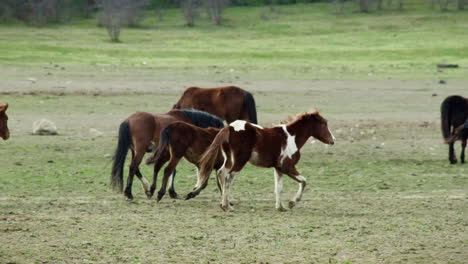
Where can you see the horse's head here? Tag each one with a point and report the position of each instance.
(320, 128)
(4, 132)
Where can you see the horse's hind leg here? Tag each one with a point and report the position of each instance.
(172, 193)
(135, 170)
(462, 157)
(452, 157)
(131, 173)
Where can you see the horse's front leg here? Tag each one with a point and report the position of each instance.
(167, 173)
(278, 187)
(157, 167)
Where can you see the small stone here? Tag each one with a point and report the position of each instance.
(44, 127)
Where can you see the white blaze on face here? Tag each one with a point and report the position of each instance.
(238, 125)
(334, 139)
(291, 148)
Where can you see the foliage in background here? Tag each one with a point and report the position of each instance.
(116, 13)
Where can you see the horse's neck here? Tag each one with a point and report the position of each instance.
(301, 130)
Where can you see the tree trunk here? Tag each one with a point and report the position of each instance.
(461, 4)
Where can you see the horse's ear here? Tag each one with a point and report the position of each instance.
(314, 110)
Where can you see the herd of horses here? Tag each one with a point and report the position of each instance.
(194, 129)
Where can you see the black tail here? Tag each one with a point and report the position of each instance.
(163, 143)
(445, 119)
(125, 141)
(249, 105)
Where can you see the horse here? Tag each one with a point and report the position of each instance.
(229, 103)
(179, 140)
(277, 147)
(137, 132)
(454, 111)
(460, 133)
(4, 131)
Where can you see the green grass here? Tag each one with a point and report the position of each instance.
(385, 193)
(297, 42)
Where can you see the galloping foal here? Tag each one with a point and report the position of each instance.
(4, 131)
(179, 140)
(277, 147)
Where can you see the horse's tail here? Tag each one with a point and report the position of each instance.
(163, 144)
(445, 119)
(208, 160)
(124, 142)
(249, 106)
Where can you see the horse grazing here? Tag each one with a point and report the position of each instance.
(460, 133)
(4, 131)
(229, 103)
(179, 140)
(277, 147)
(137, 132)
(454, 111)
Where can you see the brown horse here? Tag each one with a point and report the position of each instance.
(4, 131)
(229, 103)
(276, 147)
(137, 132)
(454, 111)
(179, 140)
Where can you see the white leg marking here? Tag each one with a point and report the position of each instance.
(238, 125)
(171, 179)
(278, 188)
(145, 183)
(299, 193)
(198, 178)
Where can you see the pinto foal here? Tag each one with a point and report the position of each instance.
(277, 147)
(4, 131)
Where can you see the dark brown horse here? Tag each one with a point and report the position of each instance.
(4, 131)
(179, 140)
(454, 111)
(276, 147)
(137, 132)
(229, 103)
(460, 133)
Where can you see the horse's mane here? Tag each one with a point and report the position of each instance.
(202, 119)
(293, 119)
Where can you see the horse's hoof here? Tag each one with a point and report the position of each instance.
(281, 209)
(173, 195)
(128, 198)
(227, 208)
(291, 204)
(160, 196)
(189, 196)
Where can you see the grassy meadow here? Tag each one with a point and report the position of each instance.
(385, 193)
